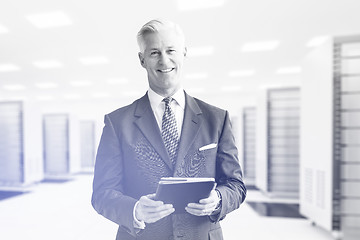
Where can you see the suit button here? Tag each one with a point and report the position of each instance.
(180, 234)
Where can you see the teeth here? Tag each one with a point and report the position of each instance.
(166, 70)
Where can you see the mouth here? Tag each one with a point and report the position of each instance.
(166, 70)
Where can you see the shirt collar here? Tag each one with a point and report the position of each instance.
(155, 99)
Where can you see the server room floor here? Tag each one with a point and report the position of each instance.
(61, 210)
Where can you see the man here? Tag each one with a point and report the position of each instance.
(137, 149)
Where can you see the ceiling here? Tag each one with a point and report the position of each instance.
(108, 29)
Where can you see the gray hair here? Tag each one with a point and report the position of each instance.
(154, 26)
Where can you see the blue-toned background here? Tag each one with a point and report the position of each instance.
(288, 71)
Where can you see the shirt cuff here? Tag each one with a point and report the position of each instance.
(220, 200)
(138, 224)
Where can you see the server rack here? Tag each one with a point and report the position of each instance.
(277, 142)
(330, 172)
(283, 142)
(20, 144)
(11, 143)
(56, 144)
(61, 145)
(346, 138)
(87, 139)
(249, 144)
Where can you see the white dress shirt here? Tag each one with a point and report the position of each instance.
(158, 108)
(177, 106)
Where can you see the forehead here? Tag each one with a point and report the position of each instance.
(164, 38)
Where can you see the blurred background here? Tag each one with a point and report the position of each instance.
(288, 71)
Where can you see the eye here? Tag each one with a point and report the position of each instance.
(154, 53)
(171, 51)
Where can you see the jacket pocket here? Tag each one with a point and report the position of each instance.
(216, 234)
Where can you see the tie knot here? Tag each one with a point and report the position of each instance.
(167, 100)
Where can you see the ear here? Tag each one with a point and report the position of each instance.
(141, 58)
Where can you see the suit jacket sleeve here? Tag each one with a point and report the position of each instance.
(108, 198)
(228, 172)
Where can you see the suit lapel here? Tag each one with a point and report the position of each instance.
(190, 128)
(147, 124)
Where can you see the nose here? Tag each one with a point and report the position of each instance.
(164, 58)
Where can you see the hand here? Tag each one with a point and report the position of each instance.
(205, 206)
(150, 211)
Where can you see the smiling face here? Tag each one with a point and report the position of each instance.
(163, 58)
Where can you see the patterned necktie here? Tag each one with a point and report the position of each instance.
(169, 130)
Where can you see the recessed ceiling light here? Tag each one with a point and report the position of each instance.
(14, 87)
(3, 29)
(317, 41)
(186, 5)
(95, 60)
(48, 64)
(289, 70)
(200, 51)
(117, 81)
(9, 67)
(196, 76)
(46, 85)
(242, 73)
(260, 46)
(49, 19)
(81, 83)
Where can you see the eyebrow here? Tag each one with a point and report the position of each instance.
(154, 48)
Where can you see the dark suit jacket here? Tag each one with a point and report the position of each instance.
(132, 158)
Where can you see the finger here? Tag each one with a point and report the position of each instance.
(199, 212)
(200, 206)
(200, 209)
(152, 209)
(196, 206)
(159, 215)
(207, 200)
(151, 196)
(213, 197)
(146, 201)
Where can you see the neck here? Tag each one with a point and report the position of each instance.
(166, 92)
